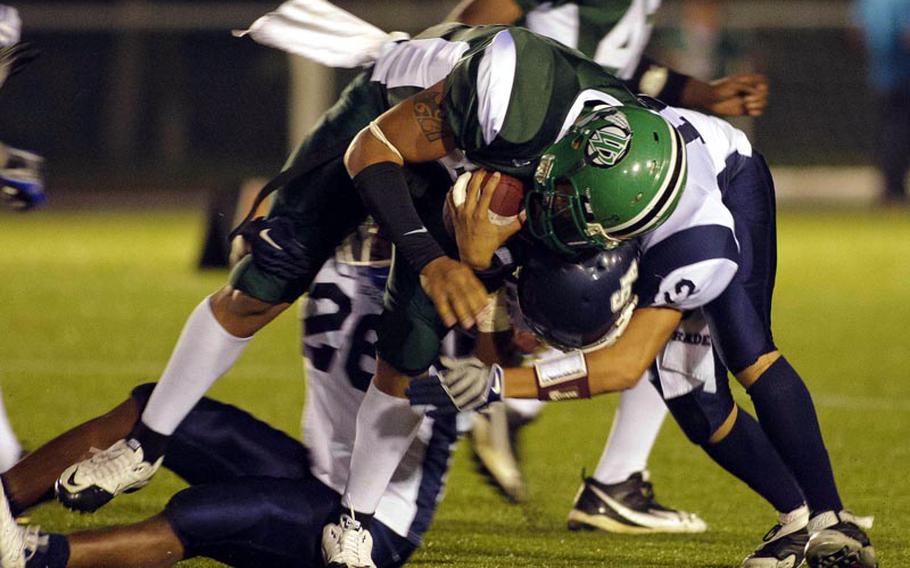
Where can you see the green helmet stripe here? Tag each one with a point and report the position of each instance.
(664, 198)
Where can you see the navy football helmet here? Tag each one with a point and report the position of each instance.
(584, 303)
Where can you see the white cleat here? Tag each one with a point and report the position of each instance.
(347, 545)
(492, 445)
(89, 484)
(17, 544)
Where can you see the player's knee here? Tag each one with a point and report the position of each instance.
(202, 515)
(704, 418)
(757, 368)
(240, 314)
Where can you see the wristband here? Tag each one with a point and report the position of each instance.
(563, 378)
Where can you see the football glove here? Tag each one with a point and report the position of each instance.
(466, 384)
(21, 180)
(13, 58)
(274, 248)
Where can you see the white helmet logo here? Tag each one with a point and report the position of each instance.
(609, 144)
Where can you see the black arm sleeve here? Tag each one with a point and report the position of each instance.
(658, 81)
(384, 190)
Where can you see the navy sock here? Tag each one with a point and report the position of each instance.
(747, 453)
(153, 444)
(784, 408)
(54, 554)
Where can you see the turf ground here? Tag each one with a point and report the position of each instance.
(91, 304)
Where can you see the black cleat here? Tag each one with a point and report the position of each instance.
(628, 507)
(784, 545)
(837, 541)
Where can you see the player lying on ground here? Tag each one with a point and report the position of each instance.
(258, 497)
(697, 259)
(615, 34)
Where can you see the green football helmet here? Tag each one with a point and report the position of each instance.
(617, 173)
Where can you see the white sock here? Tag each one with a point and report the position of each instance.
(386, 426)
(638, 419)
(204, 352)
(526, 408)
(10, 450)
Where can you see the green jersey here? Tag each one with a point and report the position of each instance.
(612, 32)
(509, 93)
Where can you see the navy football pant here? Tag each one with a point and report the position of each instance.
(740, 318)
(253, 501)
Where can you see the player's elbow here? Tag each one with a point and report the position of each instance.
(618, 377)
(354, 158)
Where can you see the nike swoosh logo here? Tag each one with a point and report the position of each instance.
(416, 231)
(636, 517)
(71, 480)
(264, 235)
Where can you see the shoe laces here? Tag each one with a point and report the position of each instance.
(112, 462)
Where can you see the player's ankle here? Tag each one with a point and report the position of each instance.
(153, 443)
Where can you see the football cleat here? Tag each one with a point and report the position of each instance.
(18, 544)
(89, 484)
(347, 545)
(784, 545)
(491, 441)
(836, 540)
(628, 507)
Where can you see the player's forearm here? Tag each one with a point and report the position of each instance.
(659, 81)
(480, 12)
(613, 368)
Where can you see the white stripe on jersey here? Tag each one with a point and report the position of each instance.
(560, 22)
(712, 276)
(583, 98)
(495, 76)
(418, 62)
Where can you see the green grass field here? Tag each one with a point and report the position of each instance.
(91, 304)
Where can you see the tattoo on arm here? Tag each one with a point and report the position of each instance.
(429, 115)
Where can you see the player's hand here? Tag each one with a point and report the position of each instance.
(274, 248)
(478, 237)
(467, 384)
(13, 58)
(738, 95)
(455, 290)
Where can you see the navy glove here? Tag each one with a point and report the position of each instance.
(21, 181)
(467, 384)
(274, 248)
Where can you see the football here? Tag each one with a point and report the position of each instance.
(507, 202)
